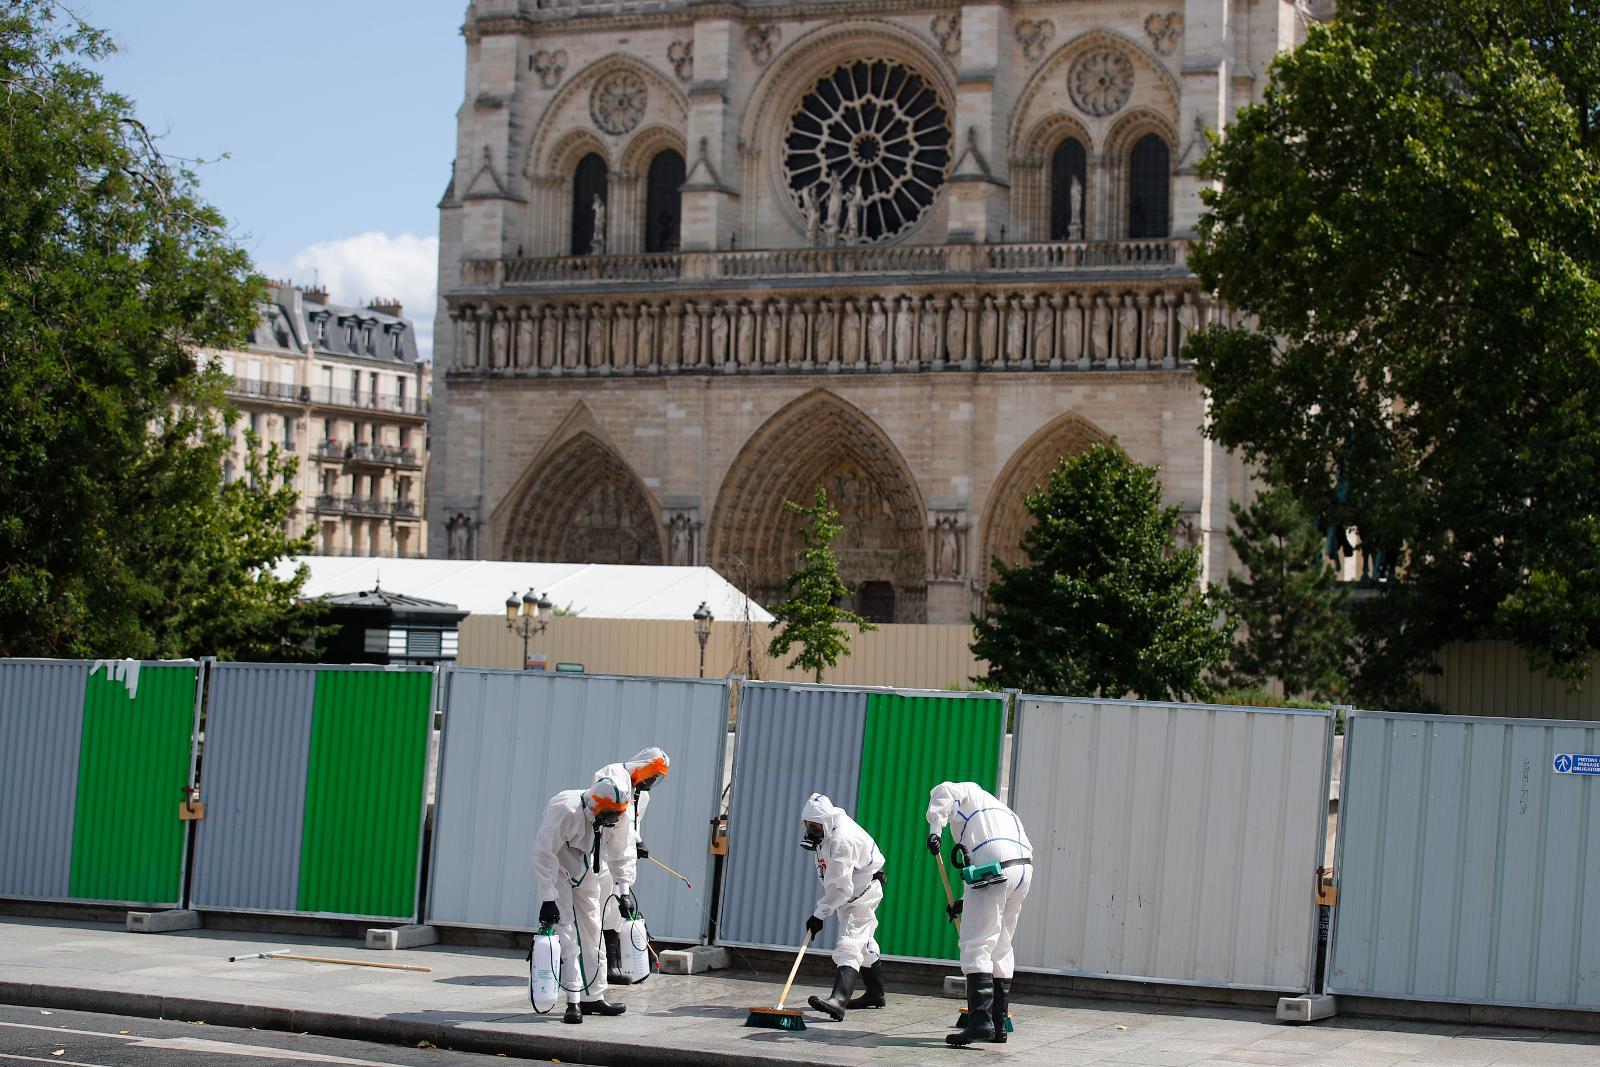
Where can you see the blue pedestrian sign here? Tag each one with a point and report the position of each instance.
(1574, 763)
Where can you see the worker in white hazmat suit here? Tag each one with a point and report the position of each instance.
(624, 847)
(851, 870)
(566, 862)
(985, 832)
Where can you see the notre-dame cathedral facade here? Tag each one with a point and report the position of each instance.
(698, 257)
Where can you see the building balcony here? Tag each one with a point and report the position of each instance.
(370, 455)
(271, 392)
(368, 506)
(329, 449)
(557, 273)
(387, 403)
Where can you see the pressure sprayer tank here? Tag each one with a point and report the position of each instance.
(635, 962)
(544, 969)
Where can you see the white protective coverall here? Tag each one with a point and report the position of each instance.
(992, 833)
(564, 872)
(847, 859)
(619, 869)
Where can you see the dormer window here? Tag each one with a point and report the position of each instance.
(366, 340)
(322, 328)
(350, 335)
(397, 342)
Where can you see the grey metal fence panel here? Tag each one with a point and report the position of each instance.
(513, 739)
(41, 724)
(791, 742)
(253, 780)
(1469, 870)
(1172, 843)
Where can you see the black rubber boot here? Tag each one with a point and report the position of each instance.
(600, 1007)
(613, 940)
(844, 981)
(1002, 1004)
(872, 977)
(980, 1004)
(572, 1014)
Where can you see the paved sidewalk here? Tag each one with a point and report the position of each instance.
(475, 999)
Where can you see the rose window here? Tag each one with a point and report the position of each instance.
(866, 151)
(1100, 82)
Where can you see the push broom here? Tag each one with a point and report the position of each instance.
(781, 1018)
(950, 900)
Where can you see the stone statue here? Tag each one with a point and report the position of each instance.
(691, 335)
(645, 339)
(1016, 331)
(680, 541)
(904, 333)
(1100, 333)
(955, 331)
(797, 337)
(1044, 332)
(522, 352)
(621, 336)
(835, 216)
(989, 330)
(598, 329)
(822, 340)
(597, 243)
(854, 215)
(1075, 202)
(548, 325)
(458, 534)
(877, 334)
(1188, 319)
(850, 343)
(928, 332)
(469, 338)
(1074, 351)
(946, 549)
(499, 340)
(745, 339)
(1158, 330)
(772, 334)
(572, 339)
(1128, 332)
(812, 210)
(719, 336)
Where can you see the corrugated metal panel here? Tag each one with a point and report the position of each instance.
(1174, 843)
(361, 842)
(512, 740)
(41, 721)
(927, 656)
(911, 744)
(134, 759)
(792, 741)
(1493, 678)
(253, 780)
(1468, 870)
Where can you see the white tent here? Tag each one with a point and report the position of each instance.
(589, 590)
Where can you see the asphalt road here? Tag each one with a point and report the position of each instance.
(85, 1039)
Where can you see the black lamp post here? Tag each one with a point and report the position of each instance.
(702, 631)
(527, 616)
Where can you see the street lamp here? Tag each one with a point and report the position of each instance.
(702, 631)
(527, 616)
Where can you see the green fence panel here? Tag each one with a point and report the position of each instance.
(133, 762)
(910, 745)
(363, 809)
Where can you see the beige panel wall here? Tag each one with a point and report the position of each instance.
(1493, 678)
(911, 656)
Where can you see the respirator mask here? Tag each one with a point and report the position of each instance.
(813, 837)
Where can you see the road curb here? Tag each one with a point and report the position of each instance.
(378, 1029)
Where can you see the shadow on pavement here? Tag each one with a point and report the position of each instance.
(483, 980)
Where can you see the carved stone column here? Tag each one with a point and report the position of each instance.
(1142, 360)
(969, 354)
(806, 357)
(622, 338)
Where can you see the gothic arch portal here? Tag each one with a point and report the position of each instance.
(583, 505)
(815, 440)
(1005, 519)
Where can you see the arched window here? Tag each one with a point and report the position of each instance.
(663, 202)
(1149, 181)
(588, 182)
(1068, 163)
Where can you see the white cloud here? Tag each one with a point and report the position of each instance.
(357, 269)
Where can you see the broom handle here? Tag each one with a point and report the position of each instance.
(798, 956)
(949, 898)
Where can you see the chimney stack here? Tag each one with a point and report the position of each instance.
(385, 306)
(317, 294)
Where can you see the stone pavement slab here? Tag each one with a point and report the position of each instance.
(476, 999)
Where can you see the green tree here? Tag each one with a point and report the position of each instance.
(117, 534)
(1105, 605)
(1296, 622)
(810, 615)
(1411, 222)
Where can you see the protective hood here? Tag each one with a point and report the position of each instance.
(650, 763)
(820, 809)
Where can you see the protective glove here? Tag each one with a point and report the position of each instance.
(549, 914)
(813, 925)
(640, 851)
(933, 844)
(960, 857)
(954, 910)
(626, 906)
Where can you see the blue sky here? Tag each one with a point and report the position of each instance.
(338, 118)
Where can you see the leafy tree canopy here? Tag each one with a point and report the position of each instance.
(1105, 605)
(809, 615)
(118, 536)
(1411, 223)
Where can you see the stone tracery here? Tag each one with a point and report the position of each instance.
(583, 505)
(1005, 518)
